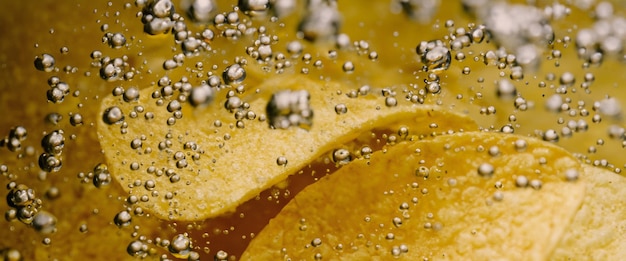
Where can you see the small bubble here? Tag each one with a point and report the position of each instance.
(551, 135)
(535, 184)
(520, 145)
(341, 108)
(348, 67)
(485, 170)
(567, 79)
(281, 161)
(521, 181)
(391, 102)
(571, 175)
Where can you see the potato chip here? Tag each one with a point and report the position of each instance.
(196, 163)
(598, 231)
(466, 196)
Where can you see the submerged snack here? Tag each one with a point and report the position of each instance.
(466, 196)
(598, 231)
(198, 163)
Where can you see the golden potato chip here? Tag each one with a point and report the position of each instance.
(598, 231)
(466, 196)
(194, 163)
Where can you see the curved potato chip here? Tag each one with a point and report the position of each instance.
(598, 231)
(197, 170)
(433, 199)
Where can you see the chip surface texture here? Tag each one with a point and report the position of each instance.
(426, 200)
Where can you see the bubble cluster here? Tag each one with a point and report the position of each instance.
(25, 206)
(321, 21)
(290, 108)
(14, 140)
(158, 17)
(45, 62)
(434, 55)
(200, 11)
(58, 90)
(234, 74)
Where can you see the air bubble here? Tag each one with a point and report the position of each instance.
(44, 222)
(348, 67)
(486, 170)
(341, 108)
(341, 156)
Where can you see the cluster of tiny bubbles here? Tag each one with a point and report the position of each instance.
(114, 40)
(521, 29)
(254, 7)
(14, 140)
(52, 143)
(434, 55)
(180, 246)
(25, 206)
(201, 95)
(290, 108)
(604, 38)
(157, 16)
(101, 175)
(58, 90)
(261, 50)
(418, 10)
(200, 11)
(234, 74)
(137, 248)
(113, 69)
(321, 21)
(45, 62)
